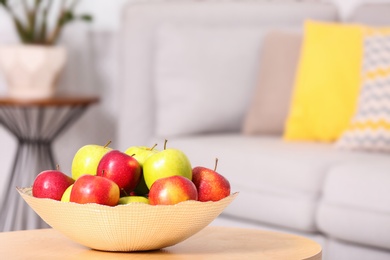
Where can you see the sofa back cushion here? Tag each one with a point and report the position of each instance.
(271, 100)
(371, 14)
(204, 77)
(142, 59)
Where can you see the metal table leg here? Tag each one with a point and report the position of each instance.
(35, 128)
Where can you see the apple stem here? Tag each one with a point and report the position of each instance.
(165, 144)
(126, 194)
(107, 144)
(154, 146)
(58, 167)
(216, 164)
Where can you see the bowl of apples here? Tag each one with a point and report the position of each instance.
(136, 200)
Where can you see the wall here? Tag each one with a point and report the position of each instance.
(92, 68)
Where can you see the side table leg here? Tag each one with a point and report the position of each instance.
(35, 127)
(30, 157)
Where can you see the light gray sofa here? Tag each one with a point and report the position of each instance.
(188, 72)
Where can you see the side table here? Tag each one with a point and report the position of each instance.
(35, 124)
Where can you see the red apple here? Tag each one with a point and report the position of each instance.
(95, 189)
(121, 168)
(51, 184)
(211, 185)
(172, 190)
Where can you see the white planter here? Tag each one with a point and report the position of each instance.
(31, 71)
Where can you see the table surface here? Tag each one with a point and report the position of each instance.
(211, 242)
(57, 100)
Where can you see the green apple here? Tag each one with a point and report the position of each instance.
(141, 153)
(87, 158)
(66, 196)
(166, 163)
(132, 199)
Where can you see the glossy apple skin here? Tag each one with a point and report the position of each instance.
(121, 168)
(95, 189)
(169, 162)
(141, 153)
(211, 185)
(66, 196)
(172, 190)
(86, 159)
(133, 199)
(51, 184)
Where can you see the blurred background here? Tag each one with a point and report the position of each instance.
(92, 67)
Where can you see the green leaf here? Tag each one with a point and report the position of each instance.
(22, 32)
(86, 17)
(68, 16)
(42, 32)
(3, 2)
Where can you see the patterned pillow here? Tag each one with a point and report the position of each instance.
(370, 127)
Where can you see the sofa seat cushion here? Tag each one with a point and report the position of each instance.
(279, 182)
(356, 202)
(338, 249)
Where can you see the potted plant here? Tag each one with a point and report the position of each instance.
(32, 67)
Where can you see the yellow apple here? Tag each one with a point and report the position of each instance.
(132, 199)
(66, 196)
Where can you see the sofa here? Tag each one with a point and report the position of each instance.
(189, 72)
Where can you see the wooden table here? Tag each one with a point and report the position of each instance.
(35, 123)
(210, 243)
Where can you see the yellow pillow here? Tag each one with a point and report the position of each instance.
(327, 82)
